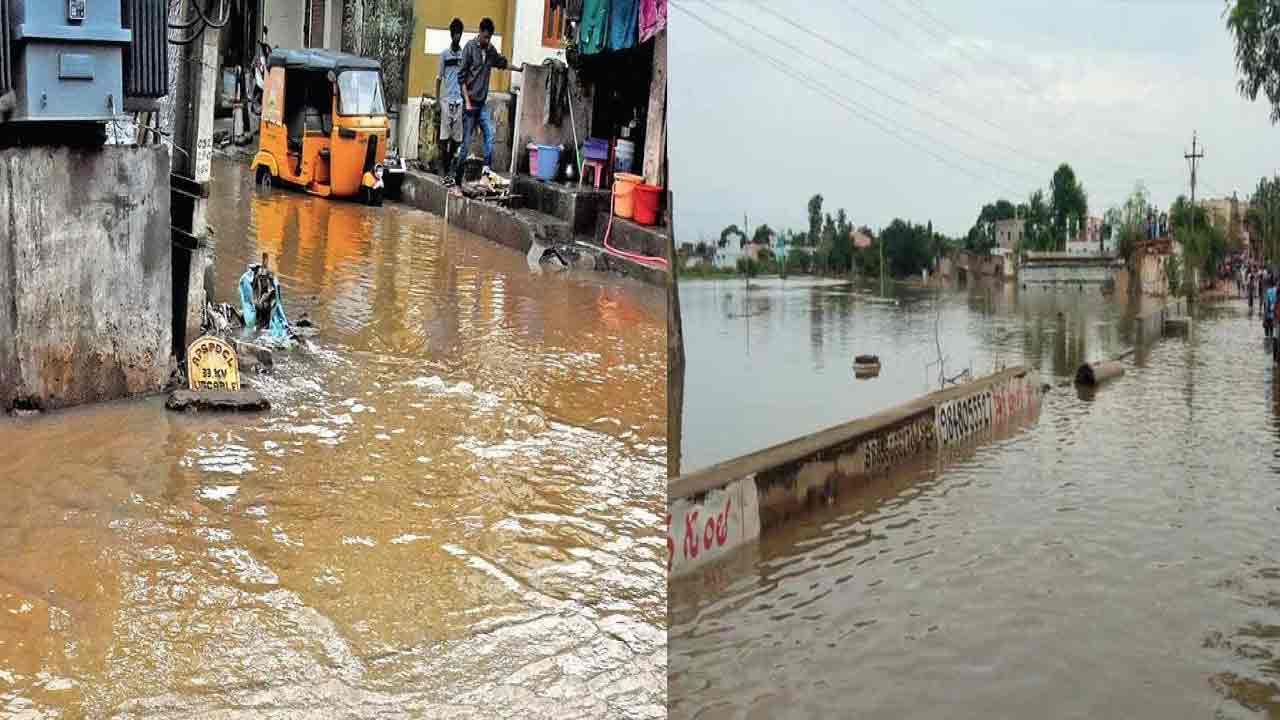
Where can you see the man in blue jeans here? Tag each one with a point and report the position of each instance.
(479, 58)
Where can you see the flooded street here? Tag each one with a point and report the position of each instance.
(1113, 559)
(774, 361)
(452, 509)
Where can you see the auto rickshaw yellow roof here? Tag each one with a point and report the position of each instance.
(320, 60)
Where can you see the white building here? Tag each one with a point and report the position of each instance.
(303, 23)
(537, 37)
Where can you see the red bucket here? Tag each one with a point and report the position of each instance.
(647, 199)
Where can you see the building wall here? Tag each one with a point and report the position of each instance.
(532, 125)
(333, 33)
(284, 21)
(85, 279)
(528, 47)
(1009, 233)
(431, 36)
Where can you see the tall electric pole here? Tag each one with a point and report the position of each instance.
(1192, 157)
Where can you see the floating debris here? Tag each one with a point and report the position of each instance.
(1099, 372)
(866, 366)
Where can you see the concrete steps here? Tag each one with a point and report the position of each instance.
(567, 202)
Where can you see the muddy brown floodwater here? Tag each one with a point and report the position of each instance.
(1117, 558)
(452, 510)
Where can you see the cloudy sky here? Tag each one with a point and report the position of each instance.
(926, 109)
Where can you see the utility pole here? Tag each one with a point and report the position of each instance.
(197, 78)
(1193, 156)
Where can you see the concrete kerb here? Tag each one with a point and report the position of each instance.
(713, 511)
(509, 227)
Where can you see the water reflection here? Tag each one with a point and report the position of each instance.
(1114, 559)
(452, 510)
(745, 353)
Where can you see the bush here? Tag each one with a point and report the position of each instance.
(1173, 274)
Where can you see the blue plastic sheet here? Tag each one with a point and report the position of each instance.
(278, 325)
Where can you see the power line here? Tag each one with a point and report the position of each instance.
(887, 125)
(905, 103)
(853, 8)
(834, 96)
(908, 81)
(1017, 74)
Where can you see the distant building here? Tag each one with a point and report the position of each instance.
(861, 240)
(1089, 240)
(1009, 233)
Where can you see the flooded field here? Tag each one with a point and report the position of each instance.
(452, 510)
(774, 360)
(1114, 559)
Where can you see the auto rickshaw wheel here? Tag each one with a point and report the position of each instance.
(263, 177)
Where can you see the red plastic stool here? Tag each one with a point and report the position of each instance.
(598, 169)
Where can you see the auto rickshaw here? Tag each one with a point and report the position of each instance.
(324, 125)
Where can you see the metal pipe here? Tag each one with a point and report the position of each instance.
(515, 152)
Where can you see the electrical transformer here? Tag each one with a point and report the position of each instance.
(81, 60)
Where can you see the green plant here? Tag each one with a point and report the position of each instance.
(1173, 274)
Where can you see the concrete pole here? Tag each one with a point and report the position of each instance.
(193, 138)
(655, 149)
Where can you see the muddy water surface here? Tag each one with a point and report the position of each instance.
(452, 509)
(1119, 557)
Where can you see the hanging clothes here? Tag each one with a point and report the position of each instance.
(573, 10)
(594, 30)
(624, 24)
(653, 18)
(557, 87)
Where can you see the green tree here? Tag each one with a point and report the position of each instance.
(1128, 222)
(1068, 205)
(982, 236)
(729, 232)
(1037, 232)
(761, 235)
(1204, 245)
(906, 248)
(1263, 218)
(815, 220)
(1254, 26)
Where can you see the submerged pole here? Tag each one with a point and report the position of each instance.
(1099, 372)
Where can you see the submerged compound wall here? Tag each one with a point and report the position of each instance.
(712, 512)
(85, 286)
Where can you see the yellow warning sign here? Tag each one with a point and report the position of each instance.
(212, 365)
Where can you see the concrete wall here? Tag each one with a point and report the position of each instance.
(1151, 274)
(528, 47)
(85, 285)
(713, 511)
(533, 127)
(283, 20)
(500, 107)
(1060, 268)
(432, 18)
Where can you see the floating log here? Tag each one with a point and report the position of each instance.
(223, 400)
(866, 366)
(1099, 372)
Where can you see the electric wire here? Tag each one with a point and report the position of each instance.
(836, 98)
(1016, 74)
(1115, 186)
(932, 92)
(905, 103)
